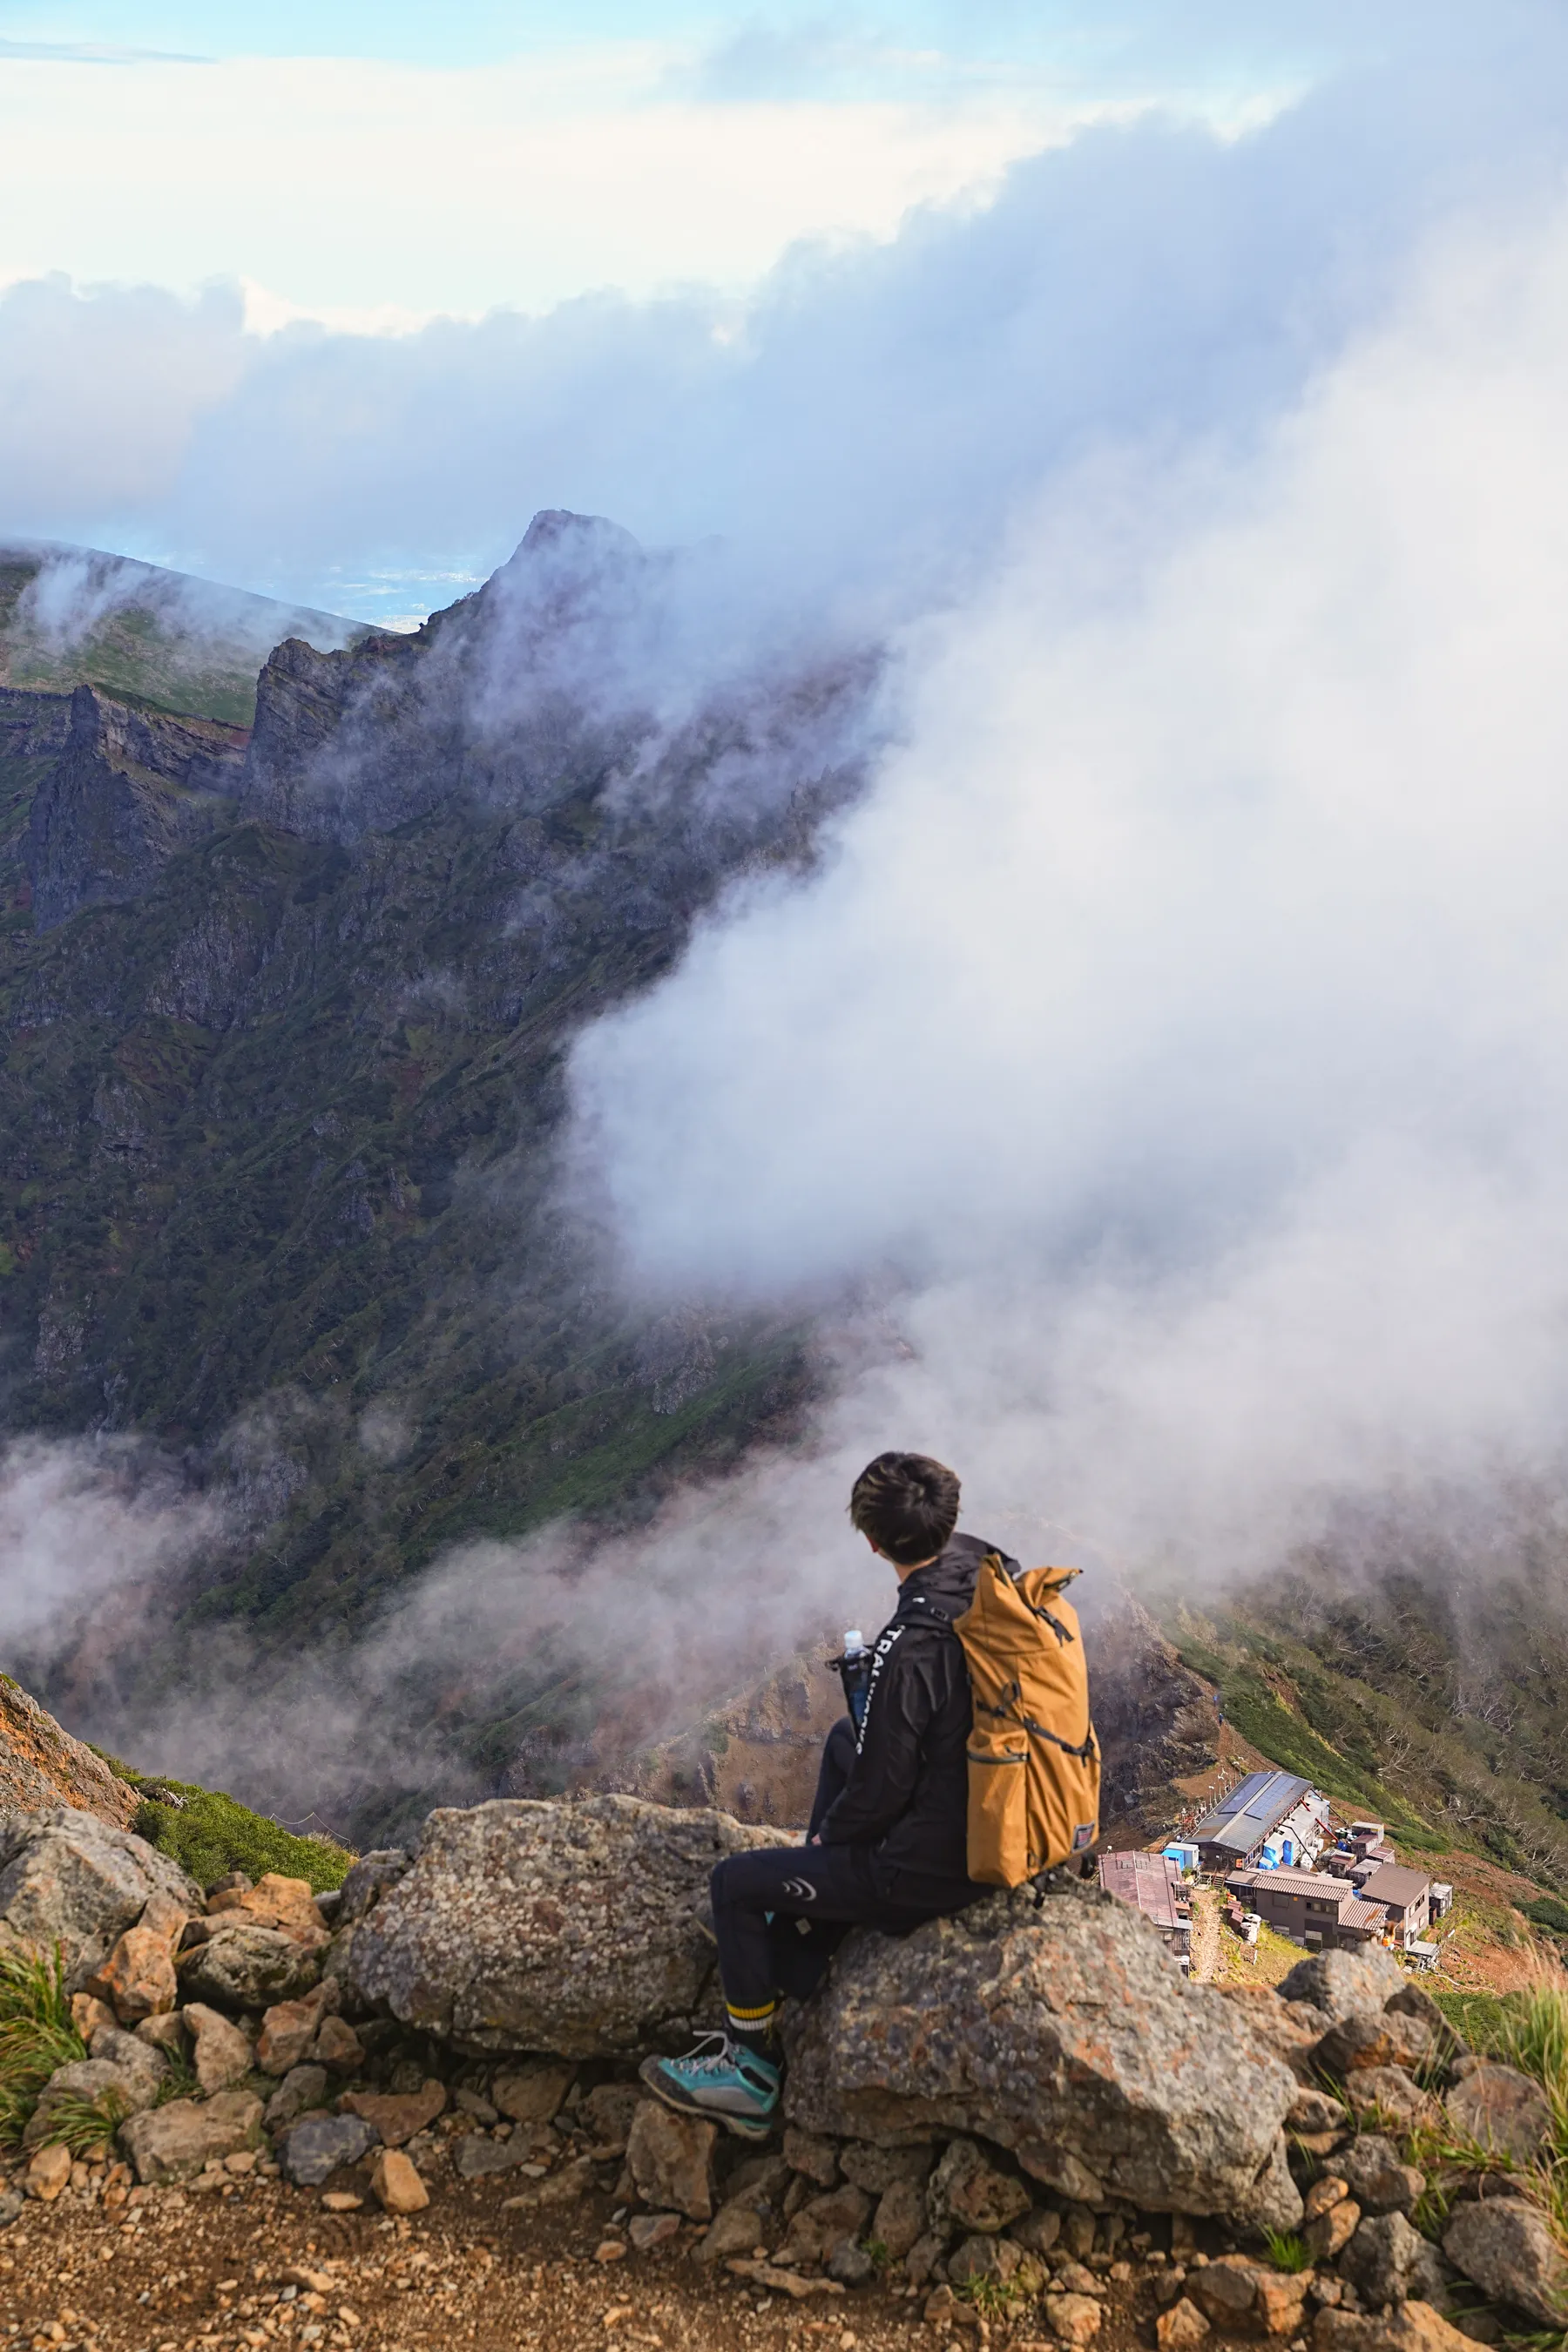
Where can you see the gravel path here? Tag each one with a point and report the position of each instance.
(265, 2265)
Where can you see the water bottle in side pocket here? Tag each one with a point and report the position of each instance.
(853, 1670)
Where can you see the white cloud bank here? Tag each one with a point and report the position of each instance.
(1183, 1018)
(860, 424)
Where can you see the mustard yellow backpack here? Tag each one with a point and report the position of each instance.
(1033, 1765)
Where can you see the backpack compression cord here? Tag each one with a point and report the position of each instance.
(1034, 1764)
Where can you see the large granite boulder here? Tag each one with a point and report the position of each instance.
(1062, 2030)
(70, 1879)
(1345, 1984)
(1506, 2246)
(569, 1927)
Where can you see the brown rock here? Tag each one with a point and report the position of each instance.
(1317, 2122)
(223, 2056)
(647, 2230)
(395, 2185)
(87, 2013)
(1503, 2109)
(138, 1978)
(1388, 2094)
(1413, 2326)
(48, 2173)
(286, 1904)
(1038, 2232)
(606, 2115)
(1377, 2177)
(289, 2027)
(1323, 2193)
(1277, 2306)
(1292, 2030)
(337, 2046)
(397, 2114)
(1387, 2038)
(1505, 2245)
(821, 2221)
(176, 2141)
(875, 2169)
(532, 2093)
(968, 2192)
(809, 2153)
(901, 2217)
(167, 2033)
(671, 2159)
(1330, 2231)
(737, 2229)
(783, 2281)
(1182, 2325)
(1248, 2298)
(1072, 2318)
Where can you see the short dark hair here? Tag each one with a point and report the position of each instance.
(907, 1504)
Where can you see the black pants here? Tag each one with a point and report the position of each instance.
(815, 1894)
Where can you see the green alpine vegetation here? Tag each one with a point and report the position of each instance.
(76, 616)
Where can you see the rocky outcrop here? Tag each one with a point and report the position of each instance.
(69, 1879)
(1500, 2109)
(33, 726)
(569, 1927)
(1344, 1984)
(1061, 2030)
(131, 788)
(41, 1765)
(1505, 2246)
(1156, 1721)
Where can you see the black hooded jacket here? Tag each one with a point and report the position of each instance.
(907, 1797)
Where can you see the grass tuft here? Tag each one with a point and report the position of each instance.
(82, 2123)
(179, 2083)
(993, 2298)
(1288, 2251)
(1528, 2030)
(35, 2034)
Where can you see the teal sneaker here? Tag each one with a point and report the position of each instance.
(720, 2079)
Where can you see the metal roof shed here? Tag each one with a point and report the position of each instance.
(1237, 1826)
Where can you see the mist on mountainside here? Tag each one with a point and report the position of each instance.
(1041, 945)
(73, 615)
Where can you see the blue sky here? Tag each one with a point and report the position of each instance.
(376, 165)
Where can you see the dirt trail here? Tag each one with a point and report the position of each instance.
(269, 2267)
(1208, 1964)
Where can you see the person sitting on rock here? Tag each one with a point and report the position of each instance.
(886, 1845)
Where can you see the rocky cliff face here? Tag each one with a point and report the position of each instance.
(128, 789)
(279, 1071)
(32, 725)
